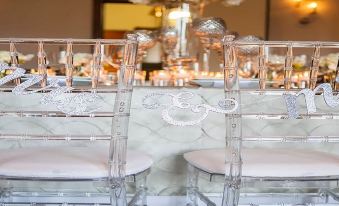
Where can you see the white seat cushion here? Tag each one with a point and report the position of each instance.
(263, 162)
(65, 162)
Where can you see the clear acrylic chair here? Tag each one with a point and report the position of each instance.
(65, 137)
(277, 114)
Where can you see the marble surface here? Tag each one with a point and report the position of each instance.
(165, 143)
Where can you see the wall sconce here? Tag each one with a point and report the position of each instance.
(310, 7)
(158, 11)
(313, 7)
(298, 3)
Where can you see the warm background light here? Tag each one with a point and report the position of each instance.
(177, 14)
(126, 17)
(158, 11)
(297, 2)
(312, 5)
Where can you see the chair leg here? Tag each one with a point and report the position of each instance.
(118, 192)
(328, 193)
(232, 186)
(142, 188)
(192, 186)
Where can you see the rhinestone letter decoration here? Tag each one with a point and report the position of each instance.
(180, 101)
(60, 96)
(17, 72)
(291, 100)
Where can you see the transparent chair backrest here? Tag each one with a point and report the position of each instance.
(37, 103)
(290, 104)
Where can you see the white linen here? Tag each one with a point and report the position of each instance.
(265, 162)
(65, 162)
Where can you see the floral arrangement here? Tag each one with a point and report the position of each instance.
(5, 57)
(329, 61)
(298, 61)
(81, 62)
(79, 59)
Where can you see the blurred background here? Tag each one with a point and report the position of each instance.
(268, 19)
(172, 32)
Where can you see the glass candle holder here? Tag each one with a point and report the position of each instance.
(300, 79)
(179, 44)
(219, 75)
(109, 78)
(180, 77)
(160, 78)
(139, 78)
(204, 75)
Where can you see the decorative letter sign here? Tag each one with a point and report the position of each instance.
(180, 101)
(68, 103)
(291, 100)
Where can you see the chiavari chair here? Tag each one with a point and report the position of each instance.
(278, 114)
(67, 136)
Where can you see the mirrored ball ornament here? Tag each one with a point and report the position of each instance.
(248, 50)
(147, 39)
(209, 27)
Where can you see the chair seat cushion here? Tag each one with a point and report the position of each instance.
(66, 162)
(264, 162)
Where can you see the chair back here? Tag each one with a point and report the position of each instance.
(293, 97)
(63, 89)
(300, 93)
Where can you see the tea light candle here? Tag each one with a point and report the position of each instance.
(219, 75)
(295, 78)
(304, 79)
(139, 78)
(181, 77)
(160, 78)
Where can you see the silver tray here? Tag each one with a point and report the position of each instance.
(219, 83)
(77, 81)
